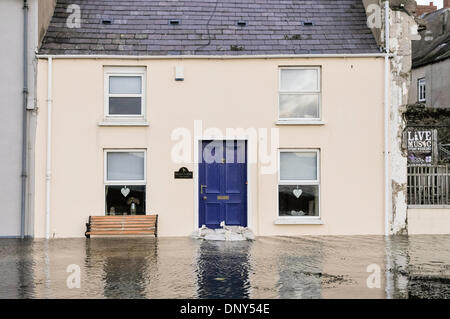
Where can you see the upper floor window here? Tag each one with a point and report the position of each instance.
(299, 93)
(124, 92)
(421, 86)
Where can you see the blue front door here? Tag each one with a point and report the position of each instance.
(222, 185)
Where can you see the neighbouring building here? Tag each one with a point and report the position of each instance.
(431, 61)
(423, 9)
(429, 112)
(271, 112)
(23, 24)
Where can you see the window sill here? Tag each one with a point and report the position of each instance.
(298, 221)
(300, 122)
(123, 122)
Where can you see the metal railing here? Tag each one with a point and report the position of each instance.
(444, 153)
(428, 185)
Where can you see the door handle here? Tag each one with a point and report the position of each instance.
(201, 188)
(205, 198)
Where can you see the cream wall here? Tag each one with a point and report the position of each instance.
(235, 93)
(429, 220)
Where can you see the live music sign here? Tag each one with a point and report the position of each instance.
(421, 146)
(420, 141)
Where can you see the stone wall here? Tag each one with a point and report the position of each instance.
(403, 30)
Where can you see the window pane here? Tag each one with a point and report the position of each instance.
(421, 89)
(125, 84)
(298, 200)
(299, 106)
(124, 166)
(299, 80)
(119, 204)
(298, 166)
(125, 105)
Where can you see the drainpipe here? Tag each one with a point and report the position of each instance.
(386, 120)
(49, 147)
(24, 121)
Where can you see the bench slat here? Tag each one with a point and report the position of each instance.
(123, 228)
(121, 233)
(124, 223)
(123, 217)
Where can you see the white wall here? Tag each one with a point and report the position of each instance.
(10, 115)
(11, 108)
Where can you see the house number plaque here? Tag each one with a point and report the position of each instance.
(183, 173)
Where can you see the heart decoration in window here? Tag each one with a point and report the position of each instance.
(125, 191)
(297, 192)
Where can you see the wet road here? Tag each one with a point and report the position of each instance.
(270, 267)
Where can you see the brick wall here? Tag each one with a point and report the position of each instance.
(421, 9)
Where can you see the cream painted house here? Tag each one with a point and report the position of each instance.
(277, 110)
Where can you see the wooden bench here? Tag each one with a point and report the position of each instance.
(136, 225)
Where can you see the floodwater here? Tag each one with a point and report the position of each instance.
(269, 267)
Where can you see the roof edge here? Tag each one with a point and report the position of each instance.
(215, 57)
(421, 64)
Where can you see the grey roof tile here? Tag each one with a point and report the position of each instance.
(209, 27)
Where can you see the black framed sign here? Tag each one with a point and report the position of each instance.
(183, 173)
(422, 146)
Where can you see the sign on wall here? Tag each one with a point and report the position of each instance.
(183, 173)
(422, 146)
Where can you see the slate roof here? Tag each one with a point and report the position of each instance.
(209, 27)
(434, 45)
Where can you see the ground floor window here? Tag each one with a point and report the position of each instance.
(125, 183)
(298, 184)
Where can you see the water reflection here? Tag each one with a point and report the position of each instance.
(24, 266)
(426, 266)
(270, 267)
(397, 260)
(223, 269)
(125, 275)
(300, 276)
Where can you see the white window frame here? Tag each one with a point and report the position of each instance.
(124, 182)
(124, 71)
(319, 92)
(421, 90)
(299, 182)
